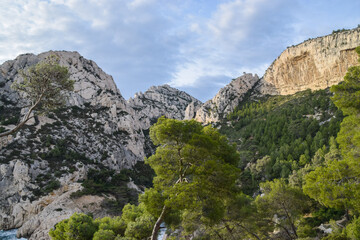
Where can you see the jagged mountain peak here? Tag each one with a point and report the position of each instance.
(162, 100)
(227, 99)
(92, 84)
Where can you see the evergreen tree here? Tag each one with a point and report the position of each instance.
(43, 85)
(195, 171)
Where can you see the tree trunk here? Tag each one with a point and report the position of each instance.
(157, 224)
(25, 119)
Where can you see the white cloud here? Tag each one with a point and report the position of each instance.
(236, 38)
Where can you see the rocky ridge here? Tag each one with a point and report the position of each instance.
(165, 101)
(227, 99)
(314, 64)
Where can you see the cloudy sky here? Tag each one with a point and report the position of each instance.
(195, 45)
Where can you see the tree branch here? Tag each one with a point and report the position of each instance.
(25, 118)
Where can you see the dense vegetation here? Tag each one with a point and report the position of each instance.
(278, 135)
(195, 178)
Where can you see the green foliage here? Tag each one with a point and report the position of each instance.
(117, 225)
(77, 227)
(138, 221)
(286, 202)
(104, 235)
(45, 82)
(135, 223)
(105, 181)
(141, 228)
(287, 129)
(336, 183)
(347, 98)
(194, 168)
(142, 174)
(340, 30)
(353, 229)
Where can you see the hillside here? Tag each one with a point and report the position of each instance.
(288, 130)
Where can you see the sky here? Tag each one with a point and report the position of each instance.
(197, 46)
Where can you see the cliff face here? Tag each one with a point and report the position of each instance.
(95, 94)
(227, 99)
(314, 64)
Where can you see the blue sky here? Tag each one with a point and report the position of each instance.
(194, 45)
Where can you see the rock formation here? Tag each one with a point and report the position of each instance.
(163, 101)
(227, 99)
(314, 64)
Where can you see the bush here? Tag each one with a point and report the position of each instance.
(353, 229)
(79, 226)
(104, 235)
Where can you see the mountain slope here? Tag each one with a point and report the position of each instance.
(99, 133)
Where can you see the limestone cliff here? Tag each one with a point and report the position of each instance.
(314, 64)
(227, 99)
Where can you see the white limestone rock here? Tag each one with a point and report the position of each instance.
(162, 101)
(227, 99)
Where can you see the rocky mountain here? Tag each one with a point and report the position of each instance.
(163, 101)
(314, 64)
(98, 129)
(227, 99)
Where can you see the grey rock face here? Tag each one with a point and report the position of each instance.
(227, 99)
(92, 87)
(163, 101)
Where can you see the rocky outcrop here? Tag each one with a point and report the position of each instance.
(35, 217)
(163, 101)
(93, 89)
(57, 207)
(314, 64)
(227, 99)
